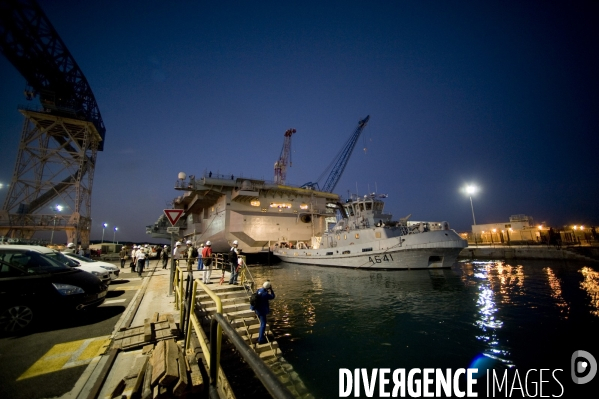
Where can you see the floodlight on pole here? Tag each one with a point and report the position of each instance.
(57, 208)
(104, 225)
(470, 189)
(114, 236)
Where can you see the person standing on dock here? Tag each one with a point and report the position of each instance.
(200, 260)
(233, 252)
(207, 259)
(123, 255)
(140, 257)
(178, 253)
(192, 255)
(164, 255)
(262, 307)
(133, 252)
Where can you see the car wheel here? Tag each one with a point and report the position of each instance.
(15, 318)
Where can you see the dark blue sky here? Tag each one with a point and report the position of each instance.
(504, 95)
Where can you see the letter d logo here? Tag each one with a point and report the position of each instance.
(581, 366)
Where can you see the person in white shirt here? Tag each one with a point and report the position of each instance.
(133, 260)
(141, 260)
(178, 252)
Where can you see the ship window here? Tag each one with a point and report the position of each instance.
(366, 249)
(264, 209)
(295, 211)
(345, 236)
(346, 252)
(350, 210)
(338, 237)
(329, 253)
(357, 235)
(280, 205)
(304, 206)
(368, 206)
(255, 203)
(377, 234)
(361, 206)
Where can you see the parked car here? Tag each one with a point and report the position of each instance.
(97, 271)
(33, 284)
(112, 269)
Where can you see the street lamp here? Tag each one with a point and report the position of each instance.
(104, 225)
(471, 190)
(57, 208)
(114, 236)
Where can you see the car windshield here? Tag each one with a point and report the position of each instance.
(32, 262)
(79, 257)
(59, 257)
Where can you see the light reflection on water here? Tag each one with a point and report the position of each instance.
(515, 313)
(591, 286)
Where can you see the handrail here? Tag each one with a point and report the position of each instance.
(270, 381)
(212, 354)
(219, 310)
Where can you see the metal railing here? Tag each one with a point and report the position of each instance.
(185, 302)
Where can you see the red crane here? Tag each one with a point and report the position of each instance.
(281, 164)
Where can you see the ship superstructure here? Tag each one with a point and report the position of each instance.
(256, 213)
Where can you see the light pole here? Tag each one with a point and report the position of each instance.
(57, 208)
(114, 236)
(104, 225)
(471, 190)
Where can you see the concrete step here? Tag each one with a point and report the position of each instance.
(202, 296)
(244, 313)
(243, 321)
(205, 304)
(228, 309)
(269, 353)
(255, 329)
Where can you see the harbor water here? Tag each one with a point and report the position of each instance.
(504, 317)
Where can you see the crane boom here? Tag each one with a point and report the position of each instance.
(59, 143)
(29, 42)
(284, 158)
(337, 166)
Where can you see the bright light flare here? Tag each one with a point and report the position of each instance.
(470, 189)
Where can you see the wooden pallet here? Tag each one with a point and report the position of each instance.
(158, 327)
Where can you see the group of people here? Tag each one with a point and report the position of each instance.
(205, 261)
(202, 255)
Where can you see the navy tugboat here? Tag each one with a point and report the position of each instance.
(366, 237)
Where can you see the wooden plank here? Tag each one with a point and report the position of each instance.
(161, 392)
(147, 348)
(173, 325)
(154, 318)
(147, 330)
(195, 375)
(181, 385)
(146, 392)
(138, 364)
(137, 381)
(172, 369)
(118, 389)
(158, 365)
(163, 317)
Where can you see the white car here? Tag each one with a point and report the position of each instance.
(112, 269)
(97, 271)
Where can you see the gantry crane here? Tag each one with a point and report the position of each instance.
(281, 164)
(338, 164)
(59, 140)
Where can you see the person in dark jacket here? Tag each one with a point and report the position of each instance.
(233, 253)
(265, 294)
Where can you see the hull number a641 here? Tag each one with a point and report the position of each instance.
(380, 258)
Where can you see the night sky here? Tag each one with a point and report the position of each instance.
(503, 95)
